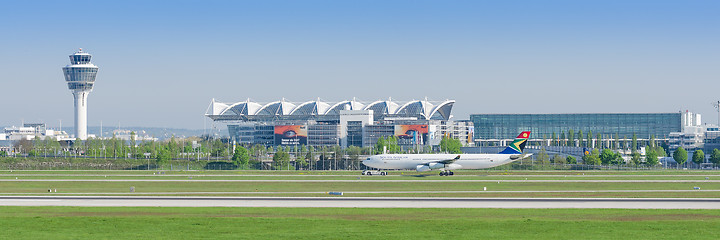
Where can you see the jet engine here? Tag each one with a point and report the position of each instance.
(422, 168)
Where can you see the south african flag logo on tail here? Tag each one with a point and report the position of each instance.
(518, 145)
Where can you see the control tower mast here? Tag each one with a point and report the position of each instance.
(80, 77)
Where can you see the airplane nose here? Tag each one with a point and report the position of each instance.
(368, 162)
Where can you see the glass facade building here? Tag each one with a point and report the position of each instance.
(644, 125)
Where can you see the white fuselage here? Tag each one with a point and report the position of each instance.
(415, 161)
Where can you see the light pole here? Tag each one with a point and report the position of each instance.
(717, 106)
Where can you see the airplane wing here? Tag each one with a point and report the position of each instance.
(446, 161)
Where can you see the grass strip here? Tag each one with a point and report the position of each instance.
(353, 223)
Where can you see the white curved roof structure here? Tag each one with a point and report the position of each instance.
(442, 110)
(311, 108)
(416, 107)
(242, 108)
(276, 108)
(421, 109)
(383, 107)
(344, 105)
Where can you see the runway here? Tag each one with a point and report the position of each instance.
(358, 180)
(11, 174)
(360, 202)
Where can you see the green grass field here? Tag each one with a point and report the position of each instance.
(408, 176)
(357, 223)
(290, 186)
(357, 172)
(410, 184)
(351, 223)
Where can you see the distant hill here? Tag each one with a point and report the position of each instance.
(160, 133)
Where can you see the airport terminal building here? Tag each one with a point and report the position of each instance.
(494, 128)
(417, 123)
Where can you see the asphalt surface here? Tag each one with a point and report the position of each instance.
(413, 174)
(358, 180)
(353, 192)
(357, 202)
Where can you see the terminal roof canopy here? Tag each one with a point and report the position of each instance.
(420, 109)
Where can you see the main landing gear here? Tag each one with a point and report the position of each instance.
(446, 173)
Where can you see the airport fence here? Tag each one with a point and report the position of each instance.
(73, 163)
(90, 163)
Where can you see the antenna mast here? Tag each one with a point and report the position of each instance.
(717, 106)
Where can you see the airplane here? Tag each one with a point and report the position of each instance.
(447, 162)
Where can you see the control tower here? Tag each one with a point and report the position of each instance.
(80, 77)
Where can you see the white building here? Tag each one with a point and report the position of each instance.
(346, 123)
(692, 135)
(461, 130)
(127, 135)
(30, 131)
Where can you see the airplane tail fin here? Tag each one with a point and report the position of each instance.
(518, 145)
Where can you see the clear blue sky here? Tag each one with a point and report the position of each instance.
(161, 62)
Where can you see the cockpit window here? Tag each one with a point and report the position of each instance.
(368, 159)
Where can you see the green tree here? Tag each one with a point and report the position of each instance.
(660, 151)
(542, 157)
(651, 157)
(310, 157)
(33, 153)
(571, 137)
(163, 157)
(599, 141)
(554, 139)
(593, 158)
(607, 156)
(698, 156)
(715, 156)
(636, 158)
(557, 159)
(281, 160)
(3, 154)
(634, 145)
(563, 139)
(652, 141)
(217, 148)
(450, 145)
(301, 162)
(133, 140)
(23, 145)
(618, 159)
(240, 157)
(581, 139)
(589, 140)
(389, 143)
(570, 160)
(354, 155)
(616, 142)
(680, 156)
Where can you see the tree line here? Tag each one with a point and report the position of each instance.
(609, 156)
(588, 140)
(299, 157)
